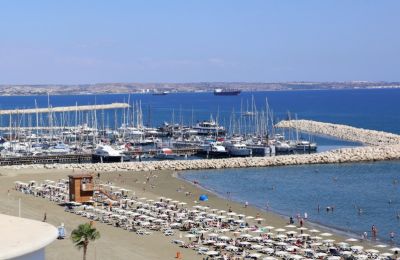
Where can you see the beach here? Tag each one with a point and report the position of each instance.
(116, 243)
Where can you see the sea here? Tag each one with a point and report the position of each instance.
(362, 194)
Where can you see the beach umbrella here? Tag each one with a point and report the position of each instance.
(269, 258)
(343, 244)
(249, 217)
(386, 254)
(351, 240)
(244, 243)
(231, 214)
(267, 250)
(326, 234)
(381, 246)
(316, 244)
(232, 248)
(256, 247)
(255, 255)
(269, 227)
(318, 255)
(296, 257)
(372, 251)
(316, 238)
(291, 232)
(314, 231)
(290, 226)
(203, 197)
(212, 235)
(224, 238)
(245, 235)
(280, 230)
(333, 258)
(302, 228)
(190, 235)
(281, 253)
(220, 244)
(395, 249)
(357, 248)
(212, 253)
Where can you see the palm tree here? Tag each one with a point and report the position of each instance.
(82, 235)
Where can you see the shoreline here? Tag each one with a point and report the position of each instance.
(336, 230)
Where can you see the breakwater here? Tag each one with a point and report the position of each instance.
(344, 132)
(344, 155)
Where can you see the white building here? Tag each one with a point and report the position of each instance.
(24, 239)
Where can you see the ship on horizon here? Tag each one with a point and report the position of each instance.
(226, 92)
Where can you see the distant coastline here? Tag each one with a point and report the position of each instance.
(201, 87)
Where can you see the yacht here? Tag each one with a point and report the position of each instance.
(237, 149)
(212, 149)
(209, 128)
(59, 148)
(306, 146)
(105, 153)
(165, 154)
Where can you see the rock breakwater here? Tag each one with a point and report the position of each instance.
(345, 155)
(345, 132)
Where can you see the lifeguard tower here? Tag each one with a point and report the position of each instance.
(81, 187)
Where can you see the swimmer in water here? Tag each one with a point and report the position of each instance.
(360, 211)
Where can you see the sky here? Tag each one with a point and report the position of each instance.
(85, 42)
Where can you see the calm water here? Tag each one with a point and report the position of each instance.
(298, 189)
(374, 109)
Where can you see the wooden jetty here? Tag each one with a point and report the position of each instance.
(81, 157)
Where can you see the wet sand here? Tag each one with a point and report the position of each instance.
(116, 243)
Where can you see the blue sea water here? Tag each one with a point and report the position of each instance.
(372, 187)
(373, 109)
(299, 189)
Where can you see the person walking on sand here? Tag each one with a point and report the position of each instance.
(374, 231)
(45, 217)
(246, 204)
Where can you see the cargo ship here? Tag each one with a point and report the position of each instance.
(226, 92)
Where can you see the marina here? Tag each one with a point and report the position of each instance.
(117, 132)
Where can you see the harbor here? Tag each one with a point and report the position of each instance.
(117, 132)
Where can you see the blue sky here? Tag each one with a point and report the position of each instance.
(44, 42)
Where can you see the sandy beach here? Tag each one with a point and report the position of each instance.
(117, 243)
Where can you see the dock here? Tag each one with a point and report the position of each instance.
(47, 159)
(64, 109)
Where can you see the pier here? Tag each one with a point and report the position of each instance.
(64, 109)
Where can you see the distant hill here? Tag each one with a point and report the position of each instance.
(116, 88)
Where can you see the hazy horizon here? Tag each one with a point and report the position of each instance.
(63, 42)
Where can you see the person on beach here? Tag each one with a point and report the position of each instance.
(305, 215)
(365, 235)
(318, 208)
(392, 235)
(301, 222)
(291, 220)
(374, 231)
(45, 217)
(246, 204)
